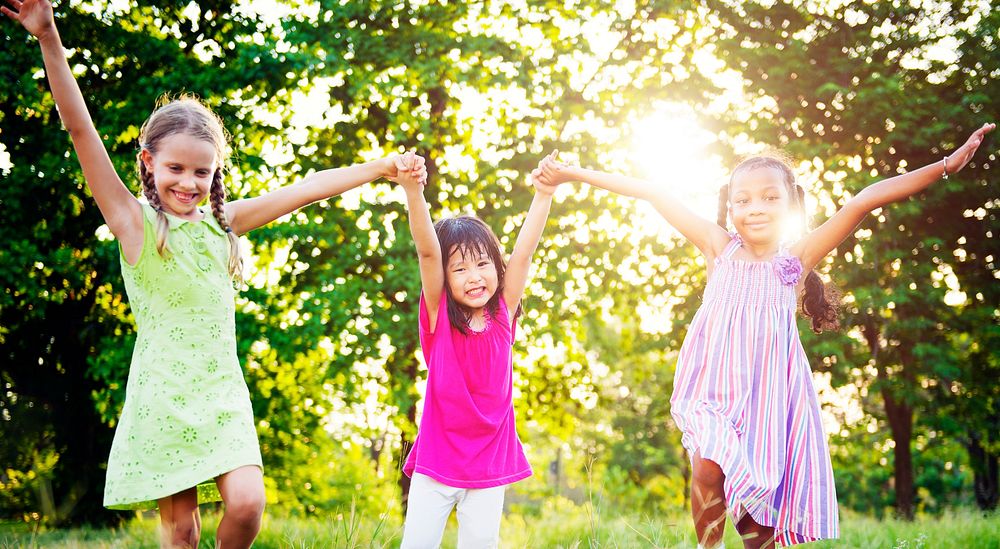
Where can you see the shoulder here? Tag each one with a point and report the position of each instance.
(728, 243)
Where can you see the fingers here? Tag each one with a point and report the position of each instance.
(14, 13)
(410, 167)
(550, 169)
(399, 162)
(977, 136)
(419, 173)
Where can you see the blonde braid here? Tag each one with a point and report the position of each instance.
(217, 197)
(162, 224)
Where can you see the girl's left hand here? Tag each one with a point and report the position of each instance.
(958, 159)
(404, 168)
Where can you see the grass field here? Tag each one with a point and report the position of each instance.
(566, 526)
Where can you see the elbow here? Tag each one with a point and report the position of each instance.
(428, 256)
(866, 201)
(77, 131)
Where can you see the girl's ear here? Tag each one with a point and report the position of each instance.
(147, 159)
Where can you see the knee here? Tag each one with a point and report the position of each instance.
(478, 540)
(707, 472)
(185, 535)
(419, 537)
(246, 509)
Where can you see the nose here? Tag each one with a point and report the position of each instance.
(188, 182)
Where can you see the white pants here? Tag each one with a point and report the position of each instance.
(430, 504)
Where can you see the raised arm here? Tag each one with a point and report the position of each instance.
(120, 209)
(426, 241)
(710, 238)
(519, 264)
(813, 247)
(247, 214)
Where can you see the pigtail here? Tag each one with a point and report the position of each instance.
(162, 224)
(217, 197)
(800, 203)
(723, 205)
(819, 303)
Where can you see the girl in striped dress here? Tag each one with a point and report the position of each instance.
(743, 392)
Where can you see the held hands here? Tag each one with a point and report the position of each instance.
(958, 159)
(406, 169)
(34, 15)
(549, 174)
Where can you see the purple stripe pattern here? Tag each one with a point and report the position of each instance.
(744, 398)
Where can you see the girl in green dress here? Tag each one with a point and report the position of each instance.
(186, 431)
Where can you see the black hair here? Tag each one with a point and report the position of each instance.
(467, 235)
(819, 301)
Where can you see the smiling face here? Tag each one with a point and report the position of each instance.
(472, 277)
(759, 204)
(182, 166)
(474, 268)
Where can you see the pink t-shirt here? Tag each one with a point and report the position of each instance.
(467, 437)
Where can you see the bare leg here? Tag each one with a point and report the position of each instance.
(708, 501)
(179, 520)
(243, 494)
(754, 535)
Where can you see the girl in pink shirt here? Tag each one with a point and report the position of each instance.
(466, 451)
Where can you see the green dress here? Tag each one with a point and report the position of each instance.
(187, 417)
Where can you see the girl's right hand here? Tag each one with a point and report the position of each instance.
(551, 172)
(34, 15)
(540, 182)
(406, 169)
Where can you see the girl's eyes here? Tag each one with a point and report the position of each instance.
(483, 263)
(179, 169)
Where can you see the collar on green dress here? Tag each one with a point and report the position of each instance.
(207, 219)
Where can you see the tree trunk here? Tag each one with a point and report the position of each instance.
(900, 417)
(986, 474)
(404, 450)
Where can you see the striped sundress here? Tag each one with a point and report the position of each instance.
(744, 398)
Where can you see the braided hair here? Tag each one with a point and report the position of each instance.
(188, 115)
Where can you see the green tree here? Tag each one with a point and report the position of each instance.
(66, 336)
(406, 72)
(857, 90)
